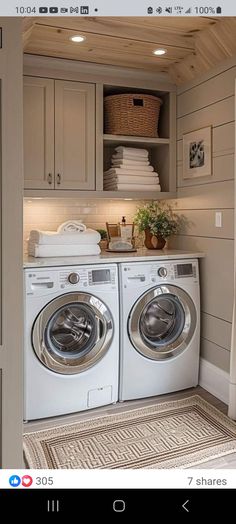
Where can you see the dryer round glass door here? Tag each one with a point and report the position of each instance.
(162, 322)
(72, 333)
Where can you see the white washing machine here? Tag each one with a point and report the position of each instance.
(160, 327)
(71, 339)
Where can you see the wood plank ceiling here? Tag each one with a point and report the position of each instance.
(193, 44)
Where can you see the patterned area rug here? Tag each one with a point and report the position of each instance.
(174, 434)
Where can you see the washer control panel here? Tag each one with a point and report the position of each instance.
(45, 282)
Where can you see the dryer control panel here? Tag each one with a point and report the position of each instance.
(155, 273)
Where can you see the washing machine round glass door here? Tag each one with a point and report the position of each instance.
(162, 322)
(72, 333)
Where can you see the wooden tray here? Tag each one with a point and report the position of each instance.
(121, 250)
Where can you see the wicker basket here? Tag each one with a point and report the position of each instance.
(132, 114)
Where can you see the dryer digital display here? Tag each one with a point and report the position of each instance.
(184, 270)
(101, 276)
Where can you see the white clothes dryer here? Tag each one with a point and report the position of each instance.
(71, 357)
(160, 327)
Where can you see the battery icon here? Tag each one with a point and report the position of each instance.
(218, 10)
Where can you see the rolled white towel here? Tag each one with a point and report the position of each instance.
(132, 151)
(72, 250)
(88, 237)
(71, 226)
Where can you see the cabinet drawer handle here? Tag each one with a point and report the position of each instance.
(58, 179)
(49, 178)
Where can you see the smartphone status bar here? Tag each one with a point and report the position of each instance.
(212, 8)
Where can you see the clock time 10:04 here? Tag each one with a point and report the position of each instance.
(22, 10)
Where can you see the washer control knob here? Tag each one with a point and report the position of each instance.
(73, 278)
(162, 271)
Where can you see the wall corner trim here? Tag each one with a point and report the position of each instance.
(214, 380)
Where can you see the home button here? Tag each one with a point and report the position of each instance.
(119, 506)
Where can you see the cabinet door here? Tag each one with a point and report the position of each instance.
(74, 135)
(38, 133)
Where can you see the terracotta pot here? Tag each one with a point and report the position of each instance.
(152, 241)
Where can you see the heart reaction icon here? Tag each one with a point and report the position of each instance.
(26, 481)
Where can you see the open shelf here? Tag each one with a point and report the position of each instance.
(161, 149)
(158, 155)
(140, 140)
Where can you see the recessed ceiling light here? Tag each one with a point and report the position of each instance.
(77, 38)
(159, 52)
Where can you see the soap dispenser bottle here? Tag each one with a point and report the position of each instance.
(124, 230)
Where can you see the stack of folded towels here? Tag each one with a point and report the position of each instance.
(72, 238)
(131, 170)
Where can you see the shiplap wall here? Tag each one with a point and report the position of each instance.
(210, 102)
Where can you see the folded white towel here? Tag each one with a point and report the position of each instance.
(129, 162)
(132, 187)
(132, 167)
(128, 156)
(132, 151)
(115, 171)
(90, 236)
(126, 171)
(125, 179)
(71, 226)
(40, 250)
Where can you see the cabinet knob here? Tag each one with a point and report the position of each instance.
(49, 178)
(58, 179)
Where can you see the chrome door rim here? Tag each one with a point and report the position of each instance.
(181, 343)
(101, 346)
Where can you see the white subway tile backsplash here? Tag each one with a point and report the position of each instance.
(48, 214)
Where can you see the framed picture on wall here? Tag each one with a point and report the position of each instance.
(197, 154)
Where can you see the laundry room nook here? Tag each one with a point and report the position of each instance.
(118, 226)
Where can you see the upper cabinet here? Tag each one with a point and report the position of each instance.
(59, 134)
(38, 133)
(74, 135)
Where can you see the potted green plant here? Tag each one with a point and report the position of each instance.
(104, 241)
(158, 222)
